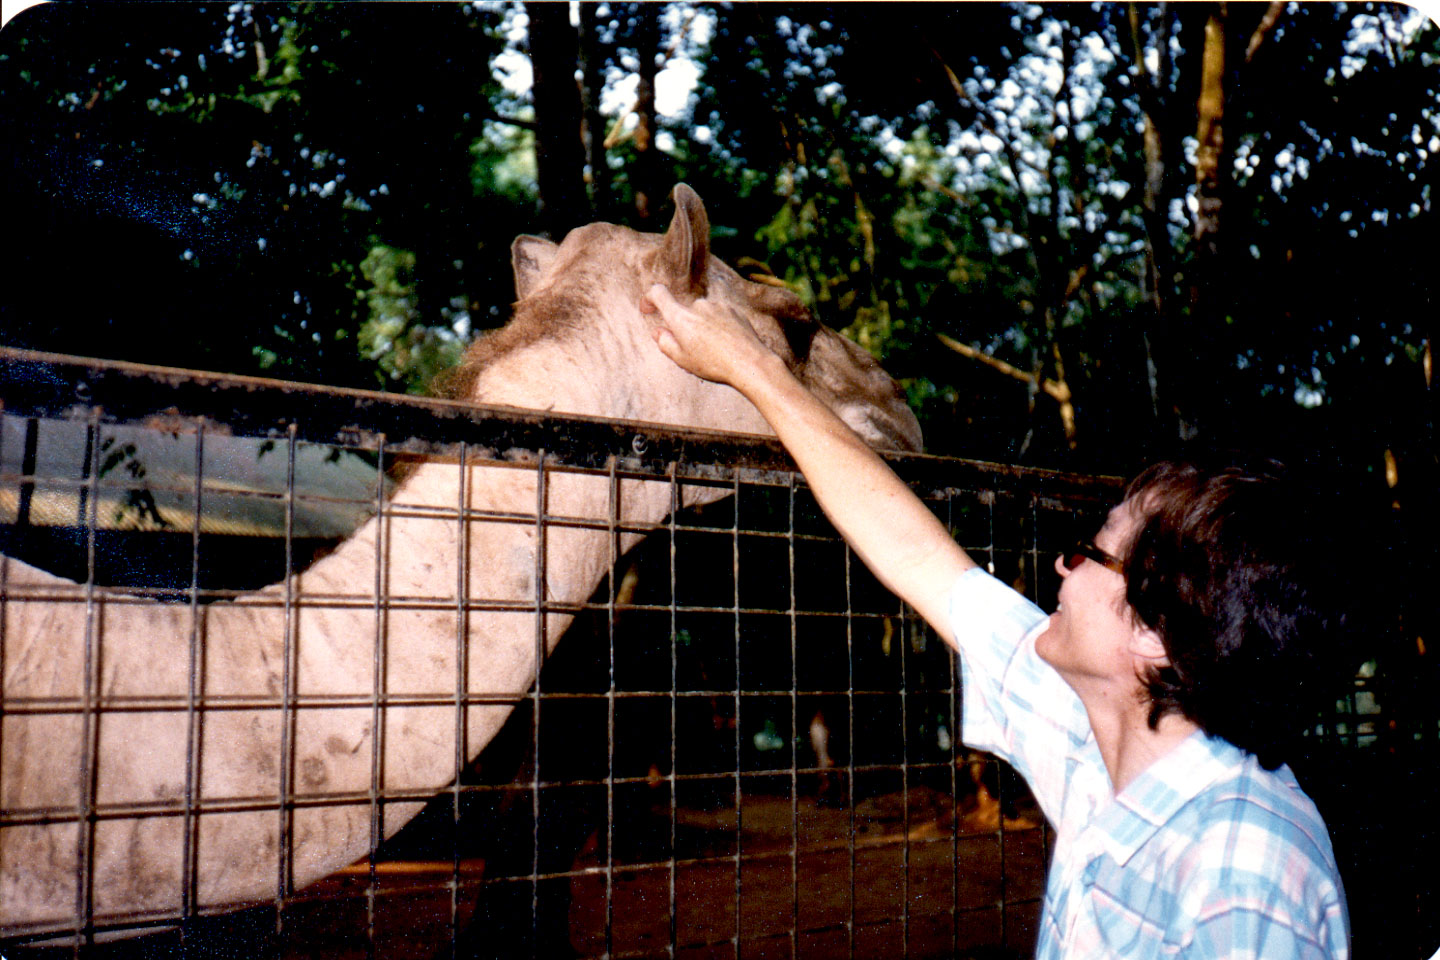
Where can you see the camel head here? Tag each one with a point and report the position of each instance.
(587, 290)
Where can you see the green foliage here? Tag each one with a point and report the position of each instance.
(334, 188)
(403, 348)
(234, 163)
(503, 162)
(987, 184)
(278, 78)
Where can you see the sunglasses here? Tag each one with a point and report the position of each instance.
(1086, 550)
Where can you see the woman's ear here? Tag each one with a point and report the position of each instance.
(1147, 645)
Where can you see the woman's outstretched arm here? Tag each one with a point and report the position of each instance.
(896, 535)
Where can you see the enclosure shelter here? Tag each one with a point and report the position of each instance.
(742, 746)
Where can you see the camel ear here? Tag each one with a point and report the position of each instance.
(530, 257)
(684, 254)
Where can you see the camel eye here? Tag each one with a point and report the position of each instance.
(799, 329)
(780, 302)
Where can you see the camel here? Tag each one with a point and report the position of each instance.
(579, 342)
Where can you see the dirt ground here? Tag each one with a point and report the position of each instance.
(914, 883)
(917, 890)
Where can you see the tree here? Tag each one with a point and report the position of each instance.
(1063, 144)
(241, 163)
(559, 142)
(1018, 179)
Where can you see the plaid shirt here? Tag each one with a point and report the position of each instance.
(1205, 854)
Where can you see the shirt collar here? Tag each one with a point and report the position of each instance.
(1150, 800)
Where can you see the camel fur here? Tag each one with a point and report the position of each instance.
(578, 343)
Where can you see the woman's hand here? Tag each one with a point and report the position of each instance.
(708, 338)
(894, 532)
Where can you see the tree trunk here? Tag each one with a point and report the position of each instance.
(1206, 286)
(645, 173)
(1162, 144)
(1210, 177)
(592, 70)
(1232, 37)
(559, 147)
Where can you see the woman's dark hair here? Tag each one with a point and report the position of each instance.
(1231, 568)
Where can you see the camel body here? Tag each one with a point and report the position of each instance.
(292, 670)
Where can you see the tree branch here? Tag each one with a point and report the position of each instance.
(965, 350)
(485, 114)
(1267, 23)
(1147, 85)
(932, 184)
(770, 281)
(1056, 389)
(1159, 166)
(618, 134)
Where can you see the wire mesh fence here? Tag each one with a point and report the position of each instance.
(277, 694)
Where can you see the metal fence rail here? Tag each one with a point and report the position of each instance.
(743, 747)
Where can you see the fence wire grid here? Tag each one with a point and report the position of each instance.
(744, 745)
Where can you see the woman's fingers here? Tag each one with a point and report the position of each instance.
(707, 338)
(680, 335)
(667, 343)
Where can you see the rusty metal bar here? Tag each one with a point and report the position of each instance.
(380, 688)
(90, 719)
(541, 567)
(284, 881)
(907, 624)
(340, 701)
(189, 883)
(794, 697)
(1004, 904)
(953, 718)
(850, 758)
(670, 781)
(615, 496)
(462, 685)
(53, 385)
(738, 796)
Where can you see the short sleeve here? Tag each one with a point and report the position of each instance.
(1014, 705)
